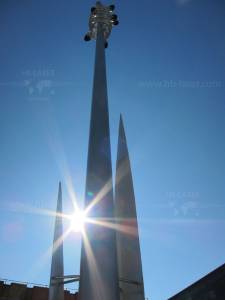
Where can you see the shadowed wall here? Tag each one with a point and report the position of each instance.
(16, 291)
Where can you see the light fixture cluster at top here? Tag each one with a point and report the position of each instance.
(103, 15)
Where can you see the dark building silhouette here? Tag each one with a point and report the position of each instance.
(19, 291)
(211, 286)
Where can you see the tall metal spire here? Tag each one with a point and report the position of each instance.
(98, 272)
(56, 291)
(128, 247)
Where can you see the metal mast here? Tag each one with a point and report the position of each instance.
(98, 271)
(128, 246)
(56, 291)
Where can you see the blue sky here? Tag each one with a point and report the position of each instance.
(166, 74)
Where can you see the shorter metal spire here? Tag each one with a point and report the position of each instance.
(56, 290)
(128, 246)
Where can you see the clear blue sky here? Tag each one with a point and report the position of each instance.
(166, 74)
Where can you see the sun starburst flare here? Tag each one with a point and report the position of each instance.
(78, 220)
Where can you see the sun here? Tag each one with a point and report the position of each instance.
(77, 221)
